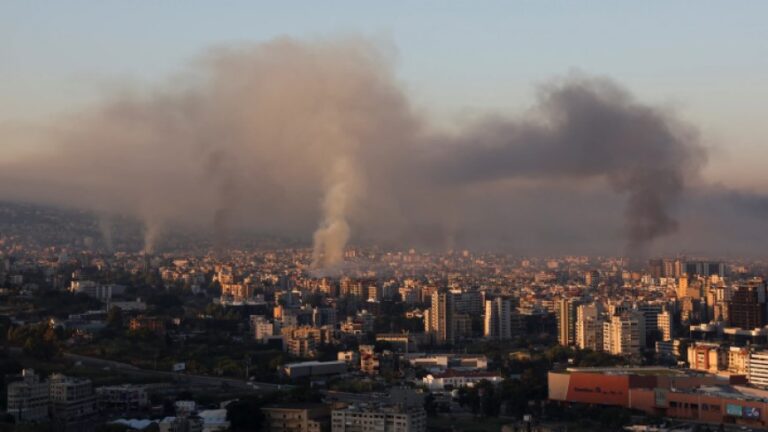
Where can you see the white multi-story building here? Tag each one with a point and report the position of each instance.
(757, 368)
(456, 379)
(28, 399)
(589, 327)
(624, 334)
(379, 418)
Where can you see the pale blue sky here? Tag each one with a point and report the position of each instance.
(706, 59)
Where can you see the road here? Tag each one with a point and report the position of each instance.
(201, 380)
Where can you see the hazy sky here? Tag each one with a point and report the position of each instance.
(707, 60)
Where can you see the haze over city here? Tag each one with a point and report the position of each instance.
(348, 129)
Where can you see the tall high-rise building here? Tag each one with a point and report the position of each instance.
(747, 307)
(565, 308)
(704, 268)
(672, 268)
(656, 268)
(624, 334)
(440, 317)
(498, 322)
(592, 278)
(589, 327)
(665, 325)
(469, 302)
(650, 312)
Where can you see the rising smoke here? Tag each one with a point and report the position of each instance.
(584, 129)
(295, 137)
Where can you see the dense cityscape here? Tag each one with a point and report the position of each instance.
(400, 216)
(254, 339)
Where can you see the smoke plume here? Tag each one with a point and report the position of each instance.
(583, 129)
(293, 137)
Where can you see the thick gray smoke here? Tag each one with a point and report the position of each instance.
(584, 129)
(293, 137)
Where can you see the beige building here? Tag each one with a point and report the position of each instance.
(303, 341)
(379, 418)
(624, 334)
(297, 418)
(589, 327)
(738, 360)
(665, 324)
(707, 357)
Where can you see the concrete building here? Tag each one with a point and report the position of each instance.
(98, 291)
(73, 401)
(707, 357)
(565, 309)
(379, 418)
(453, 379)
(214, 420)
(297, 417)
(124, 397)
(314, 368)
(624, 334)
(497, 319)
(589, 327)
(28, 399)
(757, 368)
(262, 328)
(665, 325)
(440, 320)
(747, 307)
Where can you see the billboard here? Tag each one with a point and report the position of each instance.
(733, 410)
(750, 412)
(178, 367)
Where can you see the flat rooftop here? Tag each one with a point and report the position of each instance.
(631, 370)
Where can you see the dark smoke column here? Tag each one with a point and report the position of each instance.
(580, 130)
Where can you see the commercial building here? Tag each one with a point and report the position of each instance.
(664, 392)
